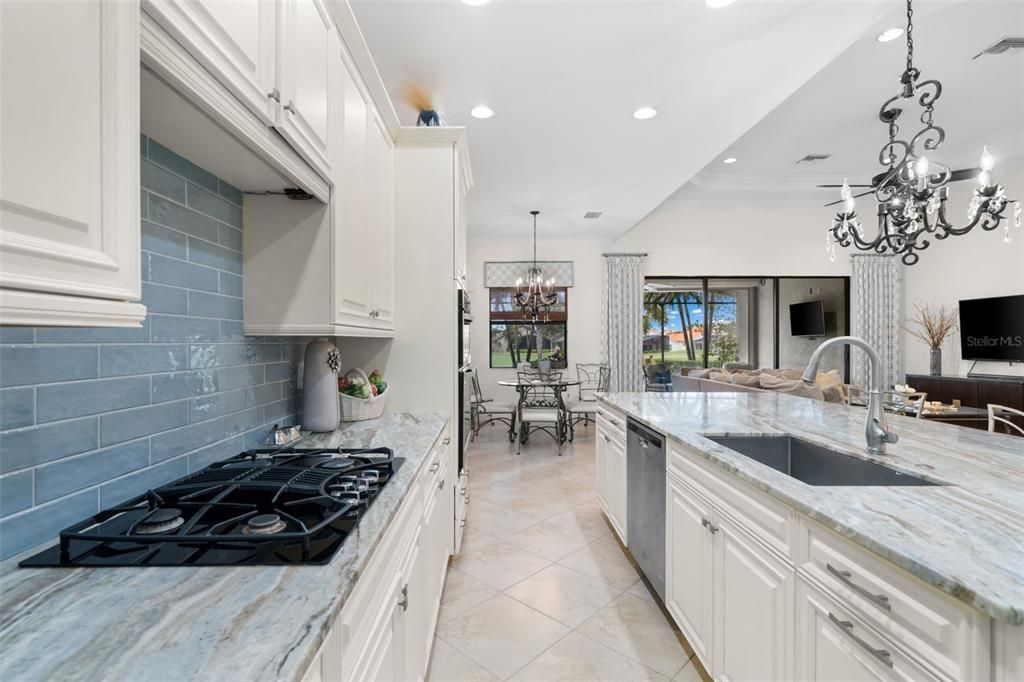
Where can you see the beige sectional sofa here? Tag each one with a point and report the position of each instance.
(828, 387)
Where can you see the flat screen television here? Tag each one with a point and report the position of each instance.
(807, 319)
(992, 328)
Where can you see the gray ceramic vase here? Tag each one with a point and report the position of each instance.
(320, 411)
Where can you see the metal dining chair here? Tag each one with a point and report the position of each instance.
(1002, 415)
(540, 409)
(593, 378)
(484, 411)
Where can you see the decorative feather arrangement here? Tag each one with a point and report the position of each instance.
(417, 97)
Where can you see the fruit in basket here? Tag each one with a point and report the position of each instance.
(378, 383)
(355, 387)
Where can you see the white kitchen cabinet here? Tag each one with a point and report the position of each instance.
(834, 645)
(381, 227)
(730, 594)
(689, 566)
(617, 487)
(329, 270)
(272, 55)
(753, 607)
(234, 40)
(69, 173)
(303, 65)
(349, 201)
(611, 469)
(386, 627)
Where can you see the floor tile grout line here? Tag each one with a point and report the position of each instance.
(628, 657)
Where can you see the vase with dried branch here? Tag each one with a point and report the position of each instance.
(417, 97)
(934, 324)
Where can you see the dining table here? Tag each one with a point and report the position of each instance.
(558, 388)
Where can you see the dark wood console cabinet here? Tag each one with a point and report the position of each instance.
(972, 392)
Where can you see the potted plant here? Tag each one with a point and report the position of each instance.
(933, 326)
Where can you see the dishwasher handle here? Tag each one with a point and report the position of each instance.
(646, 438)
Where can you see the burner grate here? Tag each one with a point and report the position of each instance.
(270, 506)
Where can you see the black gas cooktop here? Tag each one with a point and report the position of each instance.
(264, 506)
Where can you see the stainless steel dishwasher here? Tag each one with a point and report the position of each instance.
(645, 513)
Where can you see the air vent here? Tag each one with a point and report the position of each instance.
(811, 158)
(592, 215)
(1004, 45)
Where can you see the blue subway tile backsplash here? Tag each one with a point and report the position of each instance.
(92, 417)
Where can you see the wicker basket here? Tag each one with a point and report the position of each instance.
(357, 409)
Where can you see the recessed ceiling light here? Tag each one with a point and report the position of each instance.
(718, 3)
(481, 112)
(889, 34)
(731, 159)
(644, 113)
(475, 3)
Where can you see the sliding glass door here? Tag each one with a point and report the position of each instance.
(710, 322)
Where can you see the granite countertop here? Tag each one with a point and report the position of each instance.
(204, 623)
(966, 538)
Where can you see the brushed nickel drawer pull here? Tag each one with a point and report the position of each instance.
(440, 485)
(275, 95)
(845, 577)
(404, 601)
(434, 467)
(447, 440)
(846, 626)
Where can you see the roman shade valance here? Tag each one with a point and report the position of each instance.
(505, 273)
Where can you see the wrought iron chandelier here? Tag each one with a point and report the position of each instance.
(536, 295)
(912, 190)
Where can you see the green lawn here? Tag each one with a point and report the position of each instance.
(504, 359)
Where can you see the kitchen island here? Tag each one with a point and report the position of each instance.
(957, 547)
(210, 623)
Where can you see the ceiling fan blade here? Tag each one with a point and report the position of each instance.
(855, 196)
(964, 174)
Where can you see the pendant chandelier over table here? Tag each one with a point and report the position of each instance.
(912, 190)
(535, 296)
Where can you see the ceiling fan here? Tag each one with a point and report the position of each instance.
(954, 176)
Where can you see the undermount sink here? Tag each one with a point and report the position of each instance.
(813, 464)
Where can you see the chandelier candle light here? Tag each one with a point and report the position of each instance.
(912, 191)
(536, 295)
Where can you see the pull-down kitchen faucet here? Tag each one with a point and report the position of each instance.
(875, 429)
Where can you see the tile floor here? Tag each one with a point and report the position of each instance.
(542, 590)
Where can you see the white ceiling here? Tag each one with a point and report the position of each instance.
(564, 78)
(767, 81)
(836, 111)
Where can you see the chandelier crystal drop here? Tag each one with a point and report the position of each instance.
(536, 295)
(912, 190)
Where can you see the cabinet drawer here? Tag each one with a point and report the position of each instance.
(767, 519)
(612, 423)
(832, 643)
(949, 636)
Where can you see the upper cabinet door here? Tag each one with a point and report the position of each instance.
(381, 254)
(349, 200)
(234, 39)
(69, 172)
(303, 74)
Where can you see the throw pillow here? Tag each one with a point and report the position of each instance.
(833, 393)
(719, 376)
(741, 379)
(700, 373)
(791, 386)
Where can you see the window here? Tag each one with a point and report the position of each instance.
(516, 339)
